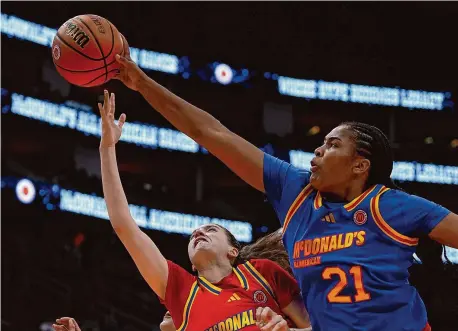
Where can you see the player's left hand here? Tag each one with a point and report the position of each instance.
(268, 320)
(111, 132)
(66, 324)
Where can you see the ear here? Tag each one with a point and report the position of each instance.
(194, 268)
(361, 166)
(232, 253)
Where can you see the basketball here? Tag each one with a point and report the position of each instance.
(84, 50)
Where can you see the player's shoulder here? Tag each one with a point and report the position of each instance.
(398, 201)
(264, 264)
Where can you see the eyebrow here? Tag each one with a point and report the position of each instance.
(332, 138)
(205, 227)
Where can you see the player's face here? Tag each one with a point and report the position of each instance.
(335, 161)
(167, 323)
(208, 242)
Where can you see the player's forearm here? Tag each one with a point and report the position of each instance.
(115, 198)
(189, 119)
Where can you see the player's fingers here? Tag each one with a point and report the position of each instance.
(281, 326)
(126, 46)
(106, 102)
(258, 314)
(270, 325)
(102, 113)
(63, 320)
(121, 60)
(58, 327)
(112, 103)
(73, 325)
(122, 120)
(266, 314)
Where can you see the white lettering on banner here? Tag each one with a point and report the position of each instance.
(332, 91)
(300, 88)
(375, 95)
(89, 124)
(154, 219)
(176, 140)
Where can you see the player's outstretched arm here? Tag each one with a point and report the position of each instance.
(242, 157)
(446, 232)
(149, 260)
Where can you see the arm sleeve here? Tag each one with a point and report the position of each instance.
(411, 215)
(179, 285)
(282, 182)
(283, 284)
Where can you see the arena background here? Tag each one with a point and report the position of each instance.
(60, 256)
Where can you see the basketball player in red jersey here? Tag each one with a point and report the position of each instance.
(226, 292)
(268, 247)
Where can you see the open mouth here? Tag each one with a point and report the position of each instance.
(198, 240)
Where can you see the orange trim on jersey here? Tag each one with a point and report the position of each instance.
(384, 226)
(296, 204)
(318, 201)
(356, 201)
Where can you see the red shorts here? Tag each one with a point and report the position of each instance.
(427, 327)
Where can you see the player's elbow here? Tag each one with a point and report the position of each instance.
(212, 134)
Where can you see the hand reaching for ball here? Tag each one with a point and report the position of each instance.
(111, 132)
(130, 74)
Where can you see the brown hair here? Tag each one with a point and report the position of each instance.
(268, 247)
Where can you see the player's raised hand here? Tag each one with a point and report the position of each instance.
(130, 74)
(66, 324)
(268, 320)
(111, 132)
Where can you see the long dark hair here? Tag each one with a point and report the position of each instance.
(268, 247)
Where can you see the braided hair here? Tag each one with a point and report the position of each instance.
(374, 145)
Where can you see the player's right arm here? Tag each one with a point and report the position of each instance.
(149, 260)
(242, 157)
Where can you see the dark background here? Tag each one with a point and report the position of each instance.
(47, 272)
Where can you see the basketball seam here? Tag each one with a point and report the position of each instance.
(98, 45)
(71, 47)
(112, 70)
(112, 37)
(83, 71)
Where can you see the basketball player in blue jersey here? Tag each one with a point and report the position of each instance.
(350, 234)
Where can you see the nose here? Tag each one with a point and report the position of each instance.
(319, 151)
(198, 233)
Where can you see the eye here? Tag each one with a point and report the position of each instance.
(211, 230)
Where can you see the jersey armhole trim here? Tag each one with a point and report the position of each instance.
(295, 205)
(188, 306)
(384, 226)
(259, 278)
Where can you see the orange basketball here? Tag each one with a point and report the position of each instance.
(84, 50)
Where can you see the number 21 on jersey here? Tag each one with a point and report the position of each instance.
(334, 295)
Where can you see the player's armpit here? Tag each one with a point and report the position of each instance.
(297, 313)
(446, 232)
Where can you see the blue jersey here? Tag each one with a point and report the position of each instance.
(351, 259)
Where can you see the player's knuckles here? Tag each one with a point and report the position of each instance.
(266, 313)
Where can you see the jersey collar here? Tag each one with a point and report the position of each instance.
(213, 289)
(318, 201)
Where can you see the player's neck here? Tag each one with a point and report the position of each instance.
(215, 272)
(344, 194)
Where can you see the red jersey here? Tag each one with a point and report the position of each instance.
(197, 305)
